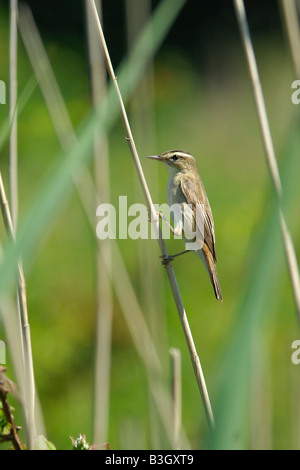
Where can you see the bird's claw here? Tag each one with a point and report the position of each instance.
(165, 260)
(155, 217)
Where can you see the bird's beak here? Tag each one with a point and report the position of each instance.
(155, 157)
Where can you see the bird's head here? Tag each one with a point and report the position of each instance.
(176, 161)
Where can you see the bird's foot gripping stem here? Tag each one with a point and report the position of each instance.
(165, 260)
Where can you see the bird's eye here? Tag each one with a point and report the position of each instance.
(174, 158)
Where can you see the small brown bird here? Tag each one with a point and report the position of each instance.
(190, 210)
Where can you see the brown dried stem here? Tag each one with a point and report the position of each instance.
(13, 435)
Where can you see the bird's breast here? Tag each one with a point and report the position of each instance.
(181, 212)
(171, 192)
(174, 193)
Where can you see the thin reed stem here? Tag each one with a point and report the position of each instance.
(103, 249)
(141, 114)
(13, 87)
(269, 150)
(290, 14)
(10, 214)
(13, 136)
(169, 269)
(176, 394)
(27, 350)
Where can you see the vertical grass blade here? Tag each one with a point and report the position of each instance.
(290, 14)
(269, 149)
(13, 140)
(29, 385)
(176, 394)
(151, 285)
(103, 247)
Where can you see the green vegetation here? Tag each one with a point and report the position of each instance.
(245, 343)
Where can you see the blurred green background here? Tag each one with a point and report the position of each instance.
(201, 101)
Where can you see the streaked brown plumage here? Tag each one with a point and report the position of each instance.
(185, 189)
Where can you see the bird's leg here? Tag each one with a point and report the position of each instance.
(181, 253)
(172, 229)
(168, 259)
(176, 231)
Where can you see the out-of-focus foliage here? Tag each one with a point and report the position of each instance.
(210, 114)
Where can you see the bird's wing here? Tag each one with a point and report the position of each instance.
(196, 196)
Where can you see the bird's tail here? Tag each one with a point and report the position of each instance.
(216, 285)
(209, 263)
